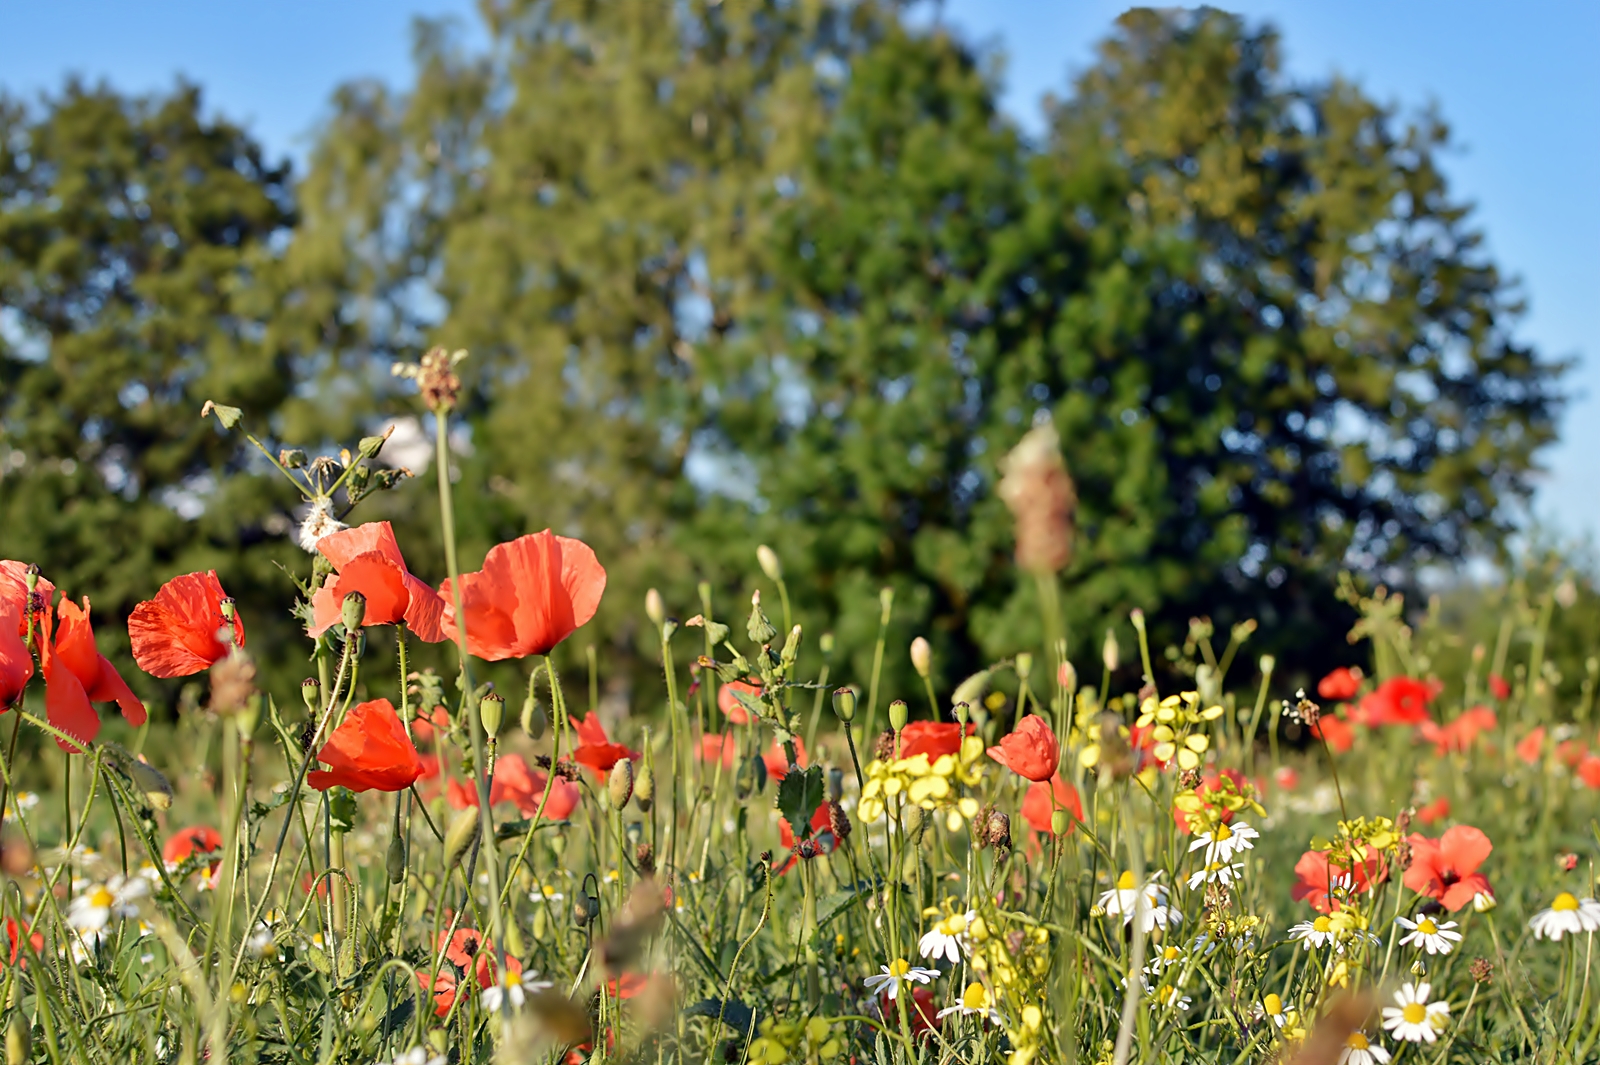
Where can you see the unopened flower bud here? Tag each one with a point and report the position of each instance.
(1024, 664)
(19, 1040)
(619, 785)
(1110, 654)
(353, 611)
(970, 691)
(644, 789)
(152, 785)
(395, 862)
(1060, 823)
(921, 656)
(1067, 677)
(1137, 617)
(758, 628)
(768, 558)
(654, 609)
(460, 836)
(825, 643)
(899, 712)
(491, 712)
(534, 719)
(835, 784)
(1483, 902)
(311, 692)
(844, 704)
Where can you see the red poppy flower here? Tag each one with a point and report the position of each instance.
(1397, 701)
(1531, 747)
(187, 842)
(1340, 685)
(175, 634)
(76, 674)
(627, 985)
(922, 1009)
(1589, 770)
(1320, 879)
(369, 751)
(715, 747)
(596, 751)
(777, 759)
(15, 934)
(1286, 778)
(1498, 686)
(16, 664)
(1336, 731)
(1045, 798)
(469, 952)
(932, 738)
(1434, 812)
(531, 594)
(728, 699)
(1457, 735)
(367, 559)
(1030, 750)
(1447, 868)
(1570, 752)
(515, 783)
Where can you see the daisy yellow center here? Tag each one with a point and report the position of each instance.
(100, 898)
(899, 968)
(1170, 954)
(1565, 901)
(975, 997)
(1414, 1013)
(1273, 1004)
(1125, 881)
(547, 891)
(1322, 924)
(1356, 1041)
(1427, 927)
(1222, 833)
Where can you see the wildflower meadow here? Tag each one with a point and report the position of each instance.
(766, 863)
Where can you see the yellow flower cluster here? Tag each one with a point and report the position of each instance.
(815, 1040)
(930, 784)
(1178, 720)
(1207, 806)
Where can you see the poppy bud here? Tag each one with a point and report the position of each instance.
(1060, 823)
(1137, 617)
(541, 921)
(353, 611)
(844, 704)
(835, 784)
(1109, 654)
(921, 656)
(971, 690)
(491, 712)
(898, 714)
(311, 692)
(151, 784)
(644, 789)
(1067, 677)
(460, 836)
(654, 609)
(534, 719)
(1024, 664)
(825, 643)
(619, 785)
(19, 1041)
(768, 558)
(395, 862)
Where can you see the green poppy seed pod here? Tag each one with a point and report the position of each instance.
(534, 719)
(31, 577)
(492, 712)
(19, 1041)
(768, 558)
(152, 785)
(619, 785)
(311, 692)
(825, 643)
(644, 789)
(353, 611)
(899, 713)
(921, 656)
(1060, 822)
(1024, 664)
(394, 862)
(1109, 655)
(460, 836)
(961, 712)
(844, 704)
(654, 608)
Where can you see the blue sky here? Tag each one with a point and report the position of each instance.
(1519, 84)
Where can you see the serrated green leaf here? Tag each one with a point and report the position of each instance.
(799, 795)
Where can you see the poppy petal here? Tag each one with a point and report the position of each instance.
(374, 536)
(66, 705)
(174, 634)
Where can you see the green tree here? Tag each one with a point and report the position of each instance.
(133, 237)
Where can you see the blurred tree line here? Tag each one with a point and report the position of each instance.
(778, 273)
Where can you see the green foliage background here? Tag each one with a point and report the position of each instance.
(782, 273)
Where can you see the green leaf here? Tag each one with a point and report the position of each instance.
(228, 416)
(799, 795)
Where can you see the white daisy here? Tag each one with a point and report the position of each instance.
(1272, 1009)
(890, 979)
(974, 1000)
(1122, 899)
(1168, 995)
(1224, 841)
(1224, 873)
(1415, 1019)
(318, 522)
(1359, 1050)
(514, 989)
(1169, 955)
(948, 938)
(117, 897)
(1427, 934)
(1567, 913)
(545, 894)
(1315, 933)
